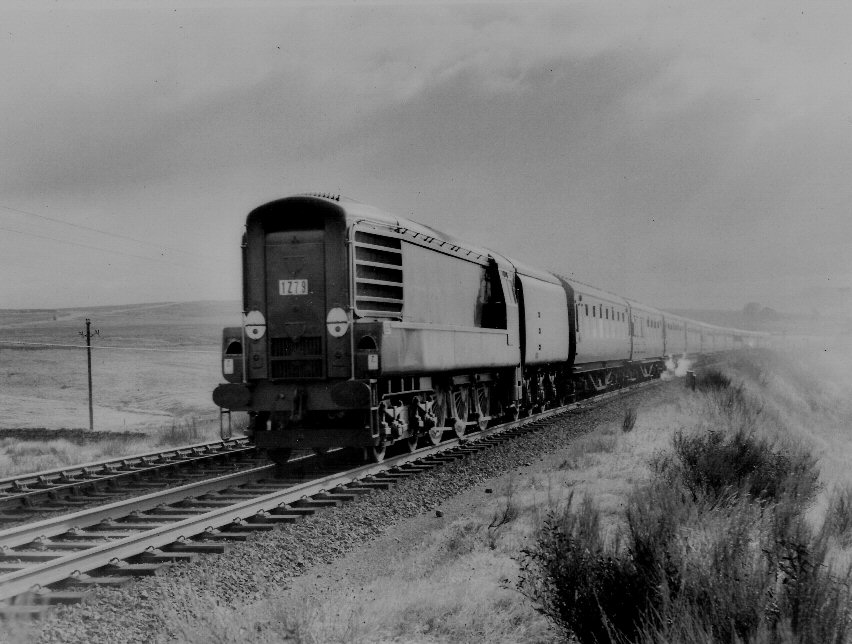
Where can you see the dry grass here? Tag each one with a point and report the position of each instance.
(457, 584)
(716, 547)
(18, 456)
(452, 587)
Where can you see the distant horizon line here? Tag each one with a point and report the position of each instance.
(111, 306)
(673, 310)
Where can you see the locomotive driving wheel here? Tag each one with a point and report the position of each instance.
(414, 423)
(483, 405)
(376, 453)
(461, 407)
(441, 409)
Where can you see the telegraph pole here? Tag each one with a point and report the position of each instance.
(88, 335)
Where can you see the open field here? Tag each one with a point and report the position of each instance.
(151, 364)
(154, 367)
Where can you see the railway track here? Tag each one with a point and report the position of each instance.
(56, 559)
(25, 497)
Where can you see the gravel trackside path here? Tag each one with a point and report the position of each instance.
(265, 565)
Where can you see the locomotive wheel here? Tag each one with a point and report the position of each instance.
(461, 405)
(413, 422)
(411, 443)
(483, 406)
(376, 453)
(280, 455)
(441, 410)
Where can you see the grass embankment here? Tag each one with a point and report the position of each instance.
(717, 547)
(29, 451)
(716, 515)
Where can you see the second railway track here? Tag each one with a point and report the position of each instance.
(24, 498)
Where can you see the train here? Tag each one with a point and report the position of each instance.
(364, 329)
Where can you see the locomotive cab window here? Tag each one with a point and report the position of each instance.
(492, 301)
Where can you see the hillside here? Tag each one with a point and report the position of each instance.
(152, 364)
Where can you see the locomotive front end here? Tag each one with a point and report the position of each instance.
(295, 373)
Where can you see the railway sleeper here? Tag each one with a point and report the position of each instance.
(125, 569)
(32, 556)
(392, 475)
(268, 517)
(222, 535)
(126, 528)
(17, 612)
(15, 515)
(12, 566)
(209, 502)
(350, 488)
(419, 467)
(185, 545)
(95, 494)
(287, 508)
(316, 503)
(167, 510)
(373, 484)
(266, 488)
(161, 556)
(51, 597)
(105, 534)
(241, 525)
(167, 517)
(342, 497)
(66, 545)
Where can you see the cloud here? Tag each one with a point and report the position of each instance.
(587, 137)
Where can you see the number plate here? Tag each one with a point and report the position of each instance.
(292, 287)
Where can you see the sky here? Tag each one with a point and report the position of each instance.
(689, 155)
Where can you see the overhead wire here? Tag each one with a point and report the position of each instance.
(160, 260)
(104, 232)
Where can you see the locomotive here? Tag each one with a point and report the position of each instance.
(363, 329)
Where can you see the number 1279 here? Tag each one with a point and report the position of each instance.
(292, 287)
